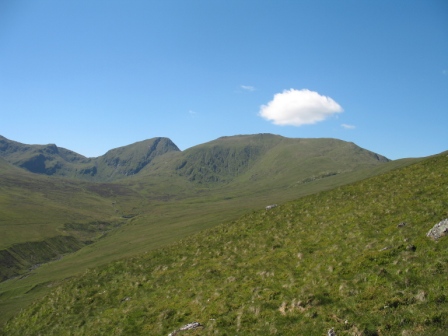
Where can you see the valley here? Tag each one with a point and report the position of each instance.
(174, 196)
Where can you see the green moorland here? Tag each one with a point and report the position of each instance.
(34, 207)
(164, 202)
(161, 218)
(43, 219)
(355, 258)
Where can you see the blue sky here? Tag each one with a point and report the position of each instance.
(95, 75)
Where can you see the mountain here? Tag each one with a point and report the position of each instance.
(41, 159)
(355, 259)
(222, 160)
(251, 158)
(56, 161)
(129, 160)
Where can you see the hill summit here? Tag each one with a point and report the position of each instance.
(268, 156)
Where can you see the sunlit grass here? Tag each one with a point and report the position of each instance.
(334, 259)
(156, 207)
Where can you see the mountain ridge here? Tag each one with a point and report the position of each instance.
(233, 159)
(114, 164)
(220, 160)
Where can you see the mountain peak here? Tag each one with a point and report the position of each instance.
(53, 160)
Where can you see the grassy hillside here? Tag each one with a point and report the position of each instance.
(157, 206)
(39, 215)
(34, 207)
(355, 258)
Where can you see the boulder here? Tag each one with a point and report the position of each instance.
(331, 332)
(439, 230)
(188, 326)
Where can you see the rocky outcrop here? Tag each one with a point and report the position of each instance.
(188, 326)
(439, 230)
(331, 332)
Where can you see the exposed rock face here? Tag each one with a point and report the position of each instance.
(439, 230)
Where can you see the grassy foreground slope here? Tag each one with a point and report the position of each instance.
(355, 258)
(39, 213)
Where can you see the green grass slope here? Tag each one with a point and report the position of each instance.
(164, 206)
(355, 259)
(292, 162)
(163, 216)
(39, 215)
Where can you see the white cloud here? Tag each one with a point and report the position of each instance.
(248, 88)
(299, 107)
(346, 126)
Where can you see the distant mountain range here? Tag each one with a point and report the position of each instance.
(245, 157)
(53, 160)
